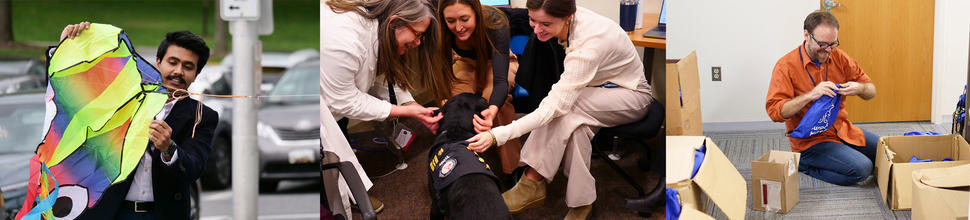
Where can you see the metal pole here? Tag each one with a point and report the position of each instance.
(245, 156)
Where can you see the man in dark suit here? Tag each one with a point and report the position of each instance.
(174, 159)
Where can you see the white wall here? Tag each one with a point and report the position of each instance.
(745, 40)
(950, 44)
(608, 8)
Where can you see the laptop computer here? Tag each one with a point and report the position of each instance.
(496, 2)
(659, 31)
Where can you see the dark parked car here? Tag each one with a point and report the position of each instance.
(22, 128)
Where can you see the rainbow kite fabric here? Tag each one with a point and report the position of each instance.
(105, 96)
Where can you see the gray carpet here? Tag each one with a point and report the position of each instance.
(817, 199)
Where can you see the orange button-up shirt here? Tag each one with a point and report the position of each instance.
(790, 79)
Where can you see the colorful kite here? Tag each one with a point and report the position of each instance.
(105, 96)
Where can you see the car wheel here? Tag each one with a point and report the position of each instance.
(219, 167)
(194, 202)
(268, 185)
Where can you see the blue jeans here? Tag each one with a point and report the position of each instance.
(841, 163)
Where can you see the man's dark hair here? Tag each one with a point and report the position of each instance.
(555, 8)
(187, 40)
(820, 17)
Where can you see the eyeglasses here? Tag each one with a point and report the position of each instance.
(417, 35)
(832, 45)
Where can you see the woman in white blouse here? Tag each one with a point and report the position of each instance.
(365, 45)
(602, 86)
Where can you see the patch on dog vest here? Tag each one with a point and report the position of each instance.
(450, 161)
(447, 167)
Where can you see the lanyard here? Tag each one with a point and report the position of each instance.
(809, 73)
(390, 91)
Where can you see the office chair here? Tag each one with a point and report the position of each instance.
(353, 180)
(646, 128)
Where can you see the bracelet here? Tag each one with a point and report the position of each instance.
(494, 141)
(407, 103)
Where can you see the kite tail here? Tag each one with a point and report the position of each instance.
(46, 198)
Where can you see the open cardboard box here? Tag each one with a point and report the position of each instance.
(941, 193)
(894, 172)
(717, 177)
(683, 101)
(774, 181)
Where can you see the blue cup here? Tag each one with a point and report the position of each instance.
(628, 14)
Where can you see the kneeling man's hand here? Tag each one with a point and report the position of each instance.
(851, 88)
(823, 88)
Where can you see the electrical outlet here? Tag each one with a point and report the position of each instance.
(716, 73)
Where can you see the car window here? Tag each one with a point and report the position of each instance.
(12, 67)
(220, 87)
(298, 85)
(20, 126)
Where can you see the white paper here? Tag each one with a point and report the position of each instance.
(792, 167)
(771, 195)
(640, 9)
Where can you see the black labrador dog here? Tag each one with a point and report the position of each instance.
(462, 185)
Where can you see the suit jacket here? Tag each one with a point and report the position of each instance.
(170, 184)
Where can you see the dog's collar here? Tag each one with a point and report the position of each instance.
(440, 139)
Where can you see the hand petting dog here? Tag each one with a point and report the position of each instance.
(481, 141)
(484, 123)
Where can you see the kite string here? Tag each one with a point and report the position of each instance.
(179, 94)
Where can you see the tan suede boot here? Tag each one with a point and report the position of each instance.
(377, 204)
(579, 213)
(527, 193)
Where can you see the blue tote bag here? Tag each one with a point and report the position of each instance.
(819, 118)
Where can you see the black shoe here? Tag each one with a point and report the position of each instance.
(653, 200)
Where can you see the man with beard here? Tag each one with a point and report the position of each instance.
(176, 154)
(843, 154)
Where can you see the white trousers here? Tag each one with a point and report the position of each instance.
(333, 140)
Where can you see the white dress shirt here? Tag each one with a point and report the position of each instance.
(141, 185)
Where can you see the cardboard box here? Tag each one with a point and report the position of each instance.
(941, 193)
(774, 181)
(683, 101)
(894, 172)
(716, 178)
(694, 214)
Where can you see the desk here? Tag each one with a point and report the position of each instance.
(649, 21)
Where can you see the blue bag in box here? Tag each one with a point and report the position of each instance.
(673, 204)
(819, 117)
